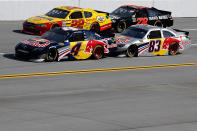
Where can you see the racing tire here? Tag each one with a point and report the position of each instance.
(173, 48)
(132, 51)
(51, 55)
(121, 26)
(54, 26)
(95, 27)
(98, 52)
(159, 24)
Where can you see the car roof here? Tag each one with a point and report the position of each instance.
(136, 6)
(146, 27)
(68, 7)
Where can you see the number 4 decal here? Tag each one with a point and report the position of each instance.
(154, 46)
(75, 49)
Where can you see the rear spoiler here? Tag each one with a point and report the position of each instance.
(163, 11)
(185, 32)
(102, 12)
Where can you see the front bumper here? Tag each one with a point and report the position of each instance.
(34, 29)
(27, 52)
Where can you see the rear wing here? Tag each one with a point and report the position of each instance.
(185, 32)
(163, 11)
(102, 12)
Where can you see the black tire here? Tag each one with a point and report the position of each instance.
(132, 51)
(95, 27)
(121, 26)
(54, 26)
(173, 48)
(98, 52)
(51, 55)
(159, 24)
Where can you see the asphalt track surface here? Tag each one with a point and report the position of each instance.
(141, 94)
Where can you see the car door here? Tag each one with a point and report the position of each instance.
(88, 20)
(76, 19)
(78, 45)
(141, 16)
(155, 43)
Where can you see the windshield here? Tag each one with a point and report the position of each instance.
(124, 11)
(56, 35)
(134, 32)
(58, 13)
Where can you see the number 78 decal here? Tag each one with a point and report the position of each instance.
(154, 46)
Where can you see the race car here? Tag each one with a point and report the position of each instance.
(147, 40)
(65, 42)
(128, 15)
(67, 16)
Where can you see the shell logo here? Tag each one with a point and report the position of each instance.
(36, 19)
(100, 18)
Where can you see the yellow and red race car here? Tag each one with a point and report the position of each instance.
(67, 16)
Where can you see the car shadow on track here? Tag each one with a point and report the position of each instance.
(12, 57)
(20, 32)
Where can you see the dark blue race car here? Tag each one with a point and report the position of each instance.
(66, 42)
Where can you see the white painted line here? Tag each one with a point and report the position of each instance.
(2, 53)
(190, 29)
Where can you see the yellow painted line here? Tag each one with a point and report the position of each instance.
(95, 70)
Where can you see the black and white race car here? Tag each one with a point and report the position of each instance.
(128, 15)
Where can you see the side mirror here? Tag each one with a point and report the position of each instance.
(71, 39)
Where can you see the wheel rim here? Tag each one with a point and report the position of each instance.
(95, 27)
(52, 55)
(121, 26)
(159, 24)
(131, 52)
(174, 49)
(98, 53)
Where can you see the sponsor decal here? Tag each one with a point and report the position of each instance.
(105, 26)
(93, 19)
(163, 17)
(37, 42)
(186, 42)
(100, 18)
(63, 52)
(63, 23)
(89, 48)
(143, 47)
(125, 39)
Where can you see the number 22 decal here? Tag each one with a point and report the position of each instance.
(154, 46)
(142, 21)
(77, 23)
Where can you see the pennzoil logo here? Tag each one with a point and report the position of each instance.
(100, 18)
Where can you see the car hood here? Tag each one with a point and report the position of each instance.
(37, 42)
(42, 19)
(121, 39)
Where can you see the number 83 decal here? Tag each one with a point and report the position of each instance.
(154, 46)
